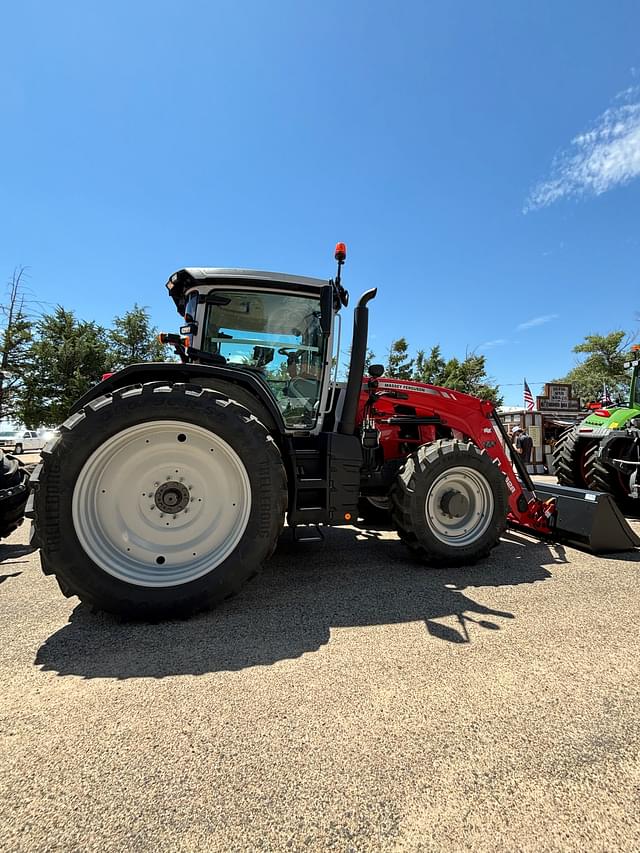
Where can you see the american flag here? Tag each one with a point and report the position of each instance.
(528, 398)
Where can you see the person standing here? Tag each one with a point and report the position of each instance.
(524, 445)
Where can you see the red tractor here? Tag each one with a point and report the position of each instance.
(169, 484)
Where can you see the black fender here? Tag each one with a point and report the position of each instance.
(203, 374)
(618, 445)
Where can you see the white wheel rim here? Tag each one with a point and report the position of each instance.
(475, 505)
(161, 503)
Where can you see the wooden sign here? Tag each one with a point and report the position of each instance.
(557, 397)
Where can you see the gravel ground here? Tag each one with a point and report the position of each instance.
(347, 700)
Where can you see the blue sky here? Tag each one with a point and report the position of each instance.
(478, 159)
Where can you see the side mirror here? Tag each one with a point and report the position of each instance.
(263, 355)
(376, 370)
(326, 309)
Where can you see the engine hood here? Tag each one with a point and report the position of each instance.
(618, 418)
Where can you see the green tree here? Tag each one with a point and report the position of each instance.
(15, 341)
(603, 365)
(399, 365)
(67, 356)
(133, 339)
(369, 359)
(470, 377)
(430, 369)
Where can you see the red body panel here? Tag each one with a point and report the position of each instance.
(461, 416)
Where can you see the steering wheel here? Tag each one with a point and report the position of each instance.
(291, 354)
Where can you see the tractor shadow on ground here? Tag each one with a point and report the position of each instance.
(4, 578)
(8, 555)
(355, 578)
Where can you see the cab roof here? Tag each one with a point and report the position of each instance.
(189, 277)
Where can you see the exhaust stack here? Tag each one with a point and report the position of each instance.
(347, 423)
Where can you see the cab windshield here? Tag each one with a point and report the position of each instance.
(279, 336)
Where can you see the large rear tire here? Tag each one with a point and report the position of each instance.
(569, 459)
(450, 504)
(158, 500)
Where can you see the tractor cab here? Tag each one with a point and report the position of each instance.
(277, 327)
(635, 377)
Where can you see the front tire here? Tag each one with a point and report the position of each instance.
(450, 504)
(570, 459)
(158, 500)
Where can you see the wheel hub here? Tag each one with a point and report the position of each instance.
(172, 497)
(454, 504)
(459, 506)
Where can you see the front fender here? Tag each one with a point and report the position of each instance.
(137, 374)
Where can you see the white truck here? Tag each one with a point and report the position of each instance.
(21, 440)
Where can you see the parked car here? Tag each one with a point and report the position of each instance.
(21, 440)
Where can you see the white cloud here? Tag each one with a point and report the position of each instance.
(603, 157)
(497, 343)
(537, 321)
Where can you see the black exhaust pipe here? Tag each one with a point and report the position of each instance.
(347, 425)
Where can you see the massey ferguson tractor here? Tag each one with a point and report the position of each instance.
(169, 484)
(603, 452)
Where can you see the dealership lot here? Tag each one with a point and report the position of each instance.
(348, 699)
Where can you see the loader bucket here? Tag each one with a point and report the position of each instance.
(588, 519)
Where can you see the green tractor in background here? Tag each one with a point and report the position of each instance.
(603, 451)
